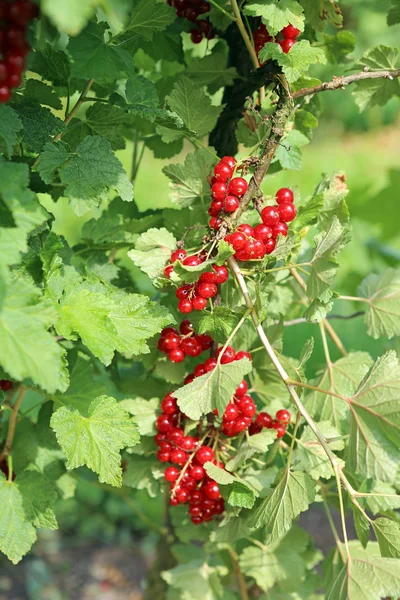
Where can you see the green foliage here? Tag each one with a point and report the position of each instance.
(371, 92)
(276, 16)
(383, 296)
(296, 62)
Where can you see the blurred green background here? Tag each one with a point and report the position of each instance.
(366, 147)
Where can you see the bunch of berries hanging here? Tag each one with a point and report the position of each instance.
(14, 20)
(185, 342)
(285, 38)
(255, 242)
(192, 10)
(225, 190)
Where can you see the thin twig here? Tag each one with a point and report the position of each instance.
(301, 320)
(77, 106)
(342, 82)
(12, 423)
(239, 576)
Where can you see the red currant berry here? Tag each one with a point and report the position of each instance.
(264, 420)
(270, 216)
(215, 208)
(15, 37)
(188, 443)
(270, 245)
(196, 36)
(168, 271)
(243, 354)
(191, 347)
(163, 423)
(189, 378)
(290, 31)
(287, 211)
(179, 254)
(172, 341)
(22, 11)
(205, 341)
(221, 273)
(185, 327)
(259, 249)
(199, 370)
(204, 7)
(242, 388)
(169, 405)
(159, 439)
(192, 261)
(227, 356)
(196, 497)
(218, 190)
(211, 490)
(286, 44)
(238, 186)
(15, 62)
(185, 306)
(284, 195)
(5, 385)
(3, 71)
(260, 38)
(210, 364)
(223, 172)
(182, 495)
(197, 472)
(230, 160)
(176, 355)
(262, 232)
(199, 303)
(231, 204)
(173, 501)
(219, 506)
(191, 14)
(280, 228)
(231, 413)
(215, 223)
(203, 25)
(242, 255)
(163, 456)
(178, 456)
(280, 429)
(246, 229)
(254, 428)
(237, 240)
(204, 454)
(196, 520)
(195, 511)
(283, 416)
(171, 474)
(208, 277)
(183, 292)
(175, 435)
(207, 290)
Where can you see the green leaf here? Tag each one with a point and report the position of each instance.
(366, 577)
(43, 93)
(143, 101)
(88, 174)
(362, 526)
(276, 15)
(96, 440)
(25, 343)
(323, 263)
(375, 421)
(212, 390)
(52, 65)
(338, 46)
(195, 580)
(309, 456)
(212, 70)
(10, 125)
(334, 190)
(71, 16)
(144, 412)
(393, 16)
(219, 323)
(388, 536)
(295, 63)
(343, 379)
(187, 274)
(219, 475)
(193, 106)
(108, 321)
(288, 152)
(372, 92)
(320, 12)
(251, 130)
(219, 19)
(152, 252)
(92, 57)
(241, 495)
(255, 443)
(382, 293)
(189, 180)
(293, 495)
(148, 17)
(39, 123)
(140, 474)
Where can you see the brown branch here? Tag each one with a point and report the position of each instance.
(77, 106)
(12, 424)
(341, 82)
(239, 576)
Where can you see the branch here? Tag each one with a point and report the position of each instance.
(12, 424)
(77, 106)
(328, 318)
(341, 82)
(241, 582)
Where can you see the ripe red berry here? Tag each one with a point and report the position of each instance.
(231, 204)
(185, 327)
(196, 36)
(280, 429)
(175, 435)
(192, 261)
(183, 292)
(211, 490)
(168, 271)
(280, 228)
(188, 443)
(205, 341)
(199, 303)
(223, 172)
(203, 25)
(246, 229)
(15, 62)
(227, 356)
(163, 423)
(231, 413)
(254, 428)
(208, 277)
(221, 274)
(262, 232)
(185, 306)
(210, 364)
(207, 290)
(243, 354)
(189, 378)
(290, 31)
(171, 341)
(215, 222)
(191, 347)
(259, 249)
(178, 456)
(169, 405)
(270, 216)
(176, 355)
(270, 245)
(218, 190)
(15, 37)
(196, 497)
(159, 439)
(284, 195)
(283, 416)
(260, 37)
(248, 408)
(204, 7)
(242, 255)
(171, 474)
(5, 385)
(22, 11)
(182, 495)
(199, 370)
(197, 472)
(242, 388)
(215, 208)
(238, 186)
(163, 456)
(287, 211)
(237, 240)
(195, 511)
(230, 160)
(286, 44)
(178, 254)
(204, 454)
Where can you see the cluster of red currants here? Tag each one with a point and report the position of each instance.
(5, 385)
(264, 421)
(177, 344)
(225, 190)
(285, 38)
(189, 482)
(239, 412)
(191, 10)
(14, 19)
(255, 242)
